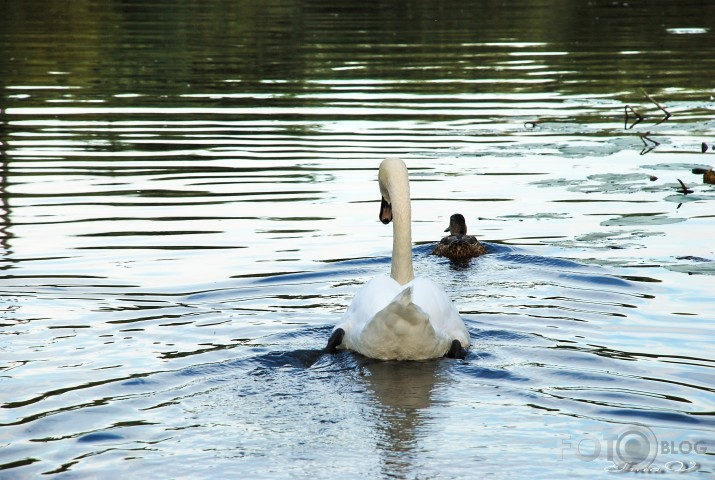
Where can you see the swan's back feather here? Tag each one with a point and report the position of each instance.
(392, 322)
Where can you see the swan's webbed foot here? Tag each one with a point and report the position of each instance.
(456, 351)
(335, 340)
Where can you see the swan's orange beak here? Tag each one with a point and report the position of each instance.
(385, 212)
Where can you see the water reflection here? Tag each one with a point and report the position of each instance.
(404, 395)
(186, 199)
(5, 216)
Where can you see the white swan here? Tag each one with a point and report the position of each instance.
(400, 317)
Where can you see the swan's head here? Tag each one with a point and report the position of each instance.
(457, 225)
(393, 175)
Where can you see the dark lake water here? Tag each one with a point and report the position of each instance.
(189, 201)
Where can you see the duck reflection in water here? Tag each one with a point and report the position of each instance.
(458, 246)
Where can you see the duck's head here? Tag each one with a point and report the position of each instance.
(457, 225)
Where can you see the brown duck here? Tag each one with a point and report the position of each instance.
(458, 245)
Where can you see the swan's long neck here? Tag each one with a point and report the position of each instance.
(401, 270)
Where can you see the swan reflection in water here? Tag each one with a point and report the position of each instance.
(404, 396)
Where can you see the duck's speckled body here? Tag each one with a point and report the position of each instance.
(458, 245)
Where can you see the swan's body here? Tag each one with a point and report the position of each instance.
(400, 317)
(458, 245)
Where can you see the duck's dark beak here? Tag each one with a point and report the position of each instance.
(385, 212)
(446, 229)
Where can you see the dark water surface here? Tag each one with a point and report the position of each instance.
(188, 202)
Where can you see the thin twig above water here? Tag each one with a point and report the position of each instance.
(661, 107)
(639, 117)
(684, 188)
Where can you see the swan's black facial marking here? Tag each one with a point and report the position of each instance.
(385, 211)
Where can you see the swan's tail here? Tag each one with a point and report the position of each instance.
(401, 330)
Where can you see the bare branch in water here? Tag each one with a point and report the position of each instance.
(647, 147)
(661, 107)
(684, 188)
(639, 117)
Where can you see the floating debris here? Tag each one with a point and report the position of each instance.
(704, 147)
(684, 188)
(707, 173)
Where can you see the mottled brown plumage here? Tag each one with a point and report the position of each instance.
(458, 245)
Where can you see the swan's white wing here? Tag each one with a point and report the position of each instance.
(368, 300)
(400, 331)
(445, 318)
(413, 321)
